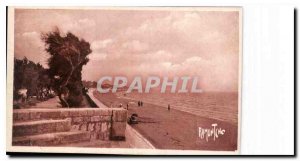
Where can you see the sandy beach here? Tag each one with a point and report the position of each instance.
(175, 129)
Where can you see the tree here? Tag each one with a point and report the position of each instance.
(44, 85)
(68, 54)
(26, 75)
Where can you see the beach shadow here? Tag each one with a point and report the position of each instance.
(146, 120)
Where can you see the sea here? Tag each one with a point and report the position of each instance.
(221, 106)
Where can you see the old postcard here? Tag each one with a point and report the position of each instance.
(124, 80)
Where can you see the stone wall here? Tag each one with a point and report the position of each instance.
(101, 123)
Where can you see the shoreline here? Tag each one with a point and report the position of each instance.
(175, 129)
(180, 109)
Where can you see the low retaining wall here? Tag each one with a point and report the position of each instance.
(95, 100)
(90, 101)
(136, 140)
(102, 123)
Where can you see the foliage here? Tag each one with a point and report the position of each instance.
(68, 54)
(26, 75)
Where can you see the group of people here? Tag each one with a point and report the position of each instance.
(140, 103)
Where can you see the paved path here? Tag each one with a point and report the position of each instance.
(50, 103)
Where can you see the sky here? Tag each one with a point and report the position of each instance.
(203, 44)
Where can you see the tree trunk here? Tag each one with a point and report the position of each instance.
(64, 103)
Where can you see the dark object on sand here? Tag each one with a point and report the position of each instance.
(169, 107)
(133, 119)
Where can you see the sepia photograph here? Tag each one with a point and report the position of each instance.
(124, 80)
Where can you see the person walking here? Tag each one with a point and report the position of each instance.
(169, 107)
